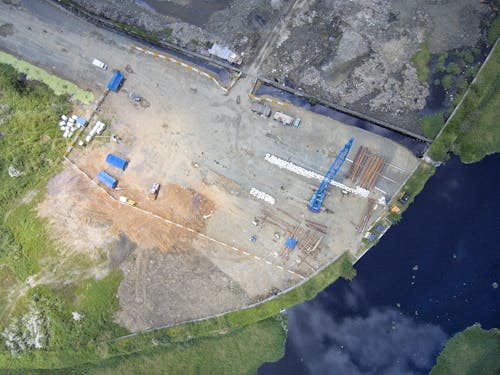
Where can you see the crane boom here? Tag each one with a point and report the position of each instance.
(319, 195)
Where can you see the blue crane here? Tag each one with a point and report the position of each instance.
(319, 195)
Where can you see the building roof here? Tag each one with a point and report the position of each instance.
(116, 81)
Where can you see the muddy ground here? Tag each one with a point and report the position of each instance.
(188, 255)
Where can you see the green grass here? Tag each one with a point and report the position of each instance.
(421, 61)
(58, 85)
(473, 131)
(431, 125)
(493, 31)
(239, 352)
(474, 351)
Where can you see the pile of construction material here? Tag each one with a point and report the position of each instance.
(366, 168)
(97, 129)
(69, 125)
(358, 190)
(261, 195)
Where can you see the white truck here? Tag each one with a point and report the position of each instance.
(99, 64)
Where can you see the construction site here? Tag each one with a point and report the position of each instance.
(205, 202)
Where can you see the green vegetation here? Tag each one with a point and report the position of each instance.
(241, 351)
(421, 61)
(431, 125)
(493, 31)
(474, 351)
(58, 85)
(472, 132)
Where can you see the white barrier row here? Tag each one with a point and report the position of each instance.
(283, 164)
(261, 195)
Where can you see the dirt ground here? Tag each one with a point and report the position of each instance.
(194, 258)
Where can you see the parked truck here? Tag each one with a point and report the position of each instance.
(127, 201)
(99, 64)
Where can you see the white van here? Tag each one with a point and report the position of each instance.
(99, 64)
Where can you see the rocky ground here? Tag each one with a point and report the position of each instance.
(355, 53)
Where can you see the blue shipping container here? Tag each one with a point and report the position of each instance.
(116, 161)
(107, 180)
(116, 81)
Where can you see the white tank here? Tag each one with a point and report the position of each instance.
(74, 117)
(64, 117)
(62, 123)
(88, 138)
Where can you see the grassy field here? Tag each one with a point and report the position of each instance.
(431, 125)
(473, 132)
(421, 61)
(474, 351)
(58, 85)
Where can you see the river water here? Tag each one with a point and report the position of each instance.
(429, 277)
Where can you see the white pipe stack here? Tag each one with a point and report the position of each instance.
(283, 164)
(261, 195)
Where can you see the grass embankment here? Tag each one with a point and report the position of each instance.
(59, 86)
(413, 186)
(473, 132)
(241, 351)
(474, 351)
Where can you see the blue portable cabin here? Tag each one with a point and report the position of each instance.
(116, 81)
(116, 161)
(107, 179)
(291, 243)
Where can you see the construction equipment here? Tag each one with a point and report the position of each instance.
(153, 191)
(261, 109)
(319, 195)
(127, 201)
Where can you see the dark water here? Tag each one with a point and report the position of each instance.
(195, 12)
(428, 278)
(412, 144)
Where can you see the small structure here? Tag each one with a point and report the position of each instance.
(107, 179)
(379, 229)
(225, 53)
(404, 197)
(116, 161)
(291, 243)
(261, 109)
(296, 122)
(116, 81)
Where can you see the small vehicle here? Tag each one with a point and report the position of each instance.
(126, 200)
(99, 64)
(153, 191)
(404, 197)
(296, 122)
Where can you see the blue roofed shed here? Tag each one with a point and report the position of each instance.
(291, 243)
(107, 179)
(116, 81)
(117, 161)
(379, 228)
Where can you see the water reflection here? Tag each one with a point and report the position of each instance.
(383, 341)
(429, 277)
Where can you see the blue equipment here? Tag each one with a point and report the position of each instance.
(116, 81)
(107, 179)
(116, 161)
(319, 195)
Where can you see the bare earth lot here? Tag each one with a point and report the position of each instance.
(207, 152)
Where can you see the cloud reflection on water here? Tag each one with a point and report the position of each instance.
(385, 341)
